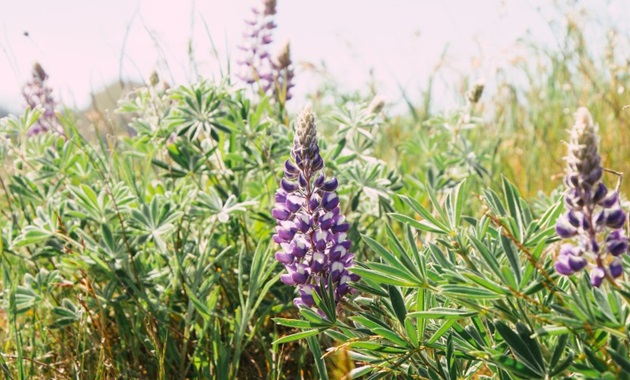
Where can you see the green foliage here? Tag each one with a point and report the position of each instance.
(461, 295)
(148, 254)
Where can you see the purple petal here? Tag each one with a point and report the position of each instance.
(285, 258)
(562, 265)
(599, 193)
(564, 229)
(330, 185)
(319, 181)
(577, 263)
(597, 276)
(294, 203)
(280, 213)
(281, 196)
(330, 201)
(288, 186)
(615, 218)
(575, 217)
(609, 200)
(616, 268)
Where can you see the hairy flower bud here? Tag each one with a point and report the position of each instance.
(474, 94)
(283, 73)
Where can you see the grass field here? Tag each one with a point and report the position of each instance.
(189, 235)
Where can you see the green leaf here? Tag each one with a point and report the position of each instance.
(512, 256)
(492, 286)
(426, 214)
(388, 257)
(513, 366)
(313, 316)
(383, 278)
(295, 323)
(441, 331)
(520, 349)
(563, 365)
(621, 361)
(31, 235)
(468, 292)
(201, 308)
(419, 225)
(558, 350)
(398, 303)
(297, 336)
(316, 350)
(596, 362)
(443, 313)
(391, 336)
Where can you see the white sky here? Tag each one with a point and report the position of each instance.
(84, 45)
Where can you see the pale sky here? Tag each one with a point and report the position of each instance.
(84, 45)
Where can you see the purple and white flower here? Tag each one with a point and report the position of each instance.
(312, 231)
(593, 211)
(37, 94)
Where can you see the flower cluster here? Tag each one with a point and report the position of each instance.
(256, 63)
(311, 229)
(283, 73)
(273, 75)
(594, 217)
(38, 94)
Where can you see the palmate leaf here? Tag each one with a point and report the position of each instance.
(441, 331)
(401, 263)
(198, 111)
(405, 258)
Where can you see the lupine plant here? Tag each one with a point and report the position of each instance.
(283, 73)
(256, 60)
(270, 74)
(155, 254)
(462, 296)
(38, 94)
(592, 209)
(445, 151)
(312, 231)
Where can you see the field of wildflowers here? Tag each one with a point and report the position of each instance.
(219, 236)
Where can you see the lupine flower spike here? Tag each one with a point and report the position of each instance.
(38, 94)
(283, 73)
(255, 62)
(594, 219)
(311, 229)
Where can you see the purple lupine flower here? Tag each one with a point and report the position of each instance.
(311, 228)
(592, 210)
(38, 94)
(255, 63)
